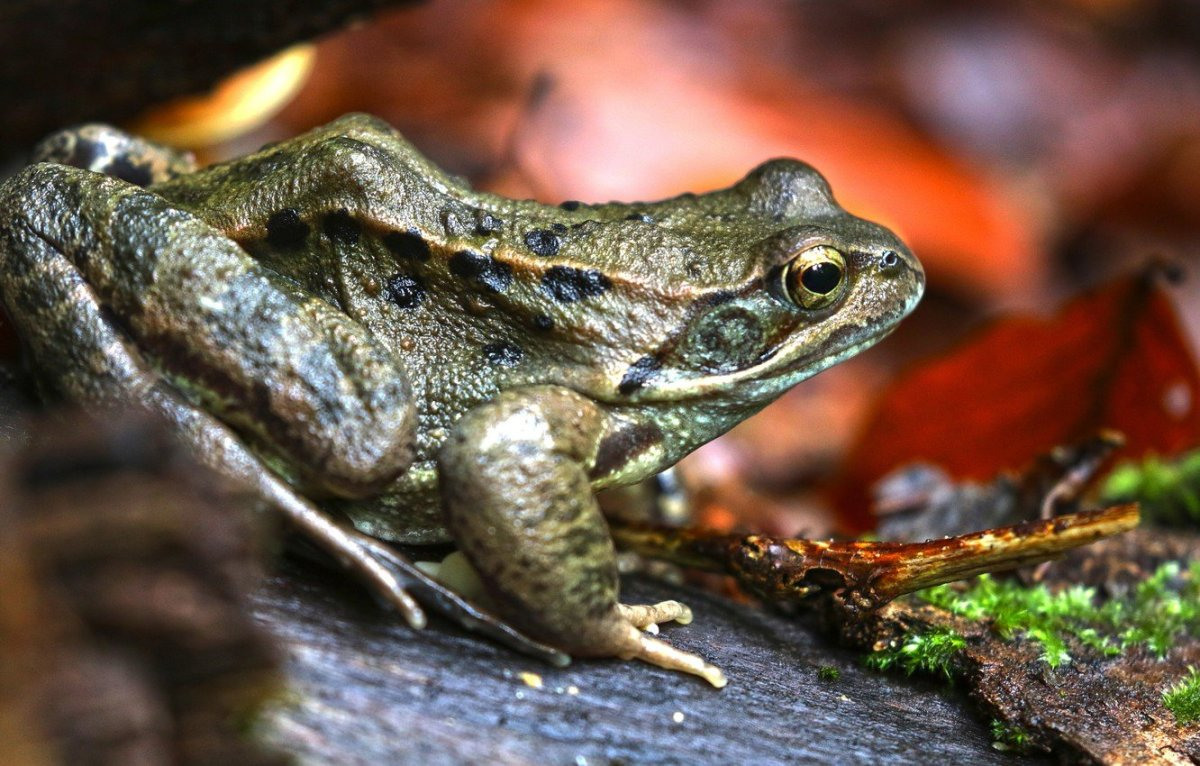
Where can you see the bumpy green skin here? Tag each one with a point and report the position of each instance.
(369, 328)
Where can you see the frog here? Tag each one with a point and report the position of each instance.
(388, 357)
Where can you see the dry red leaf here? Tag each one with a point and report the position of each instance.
(1115, 357)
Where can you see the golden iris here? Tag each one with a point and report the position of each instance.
(816, 277)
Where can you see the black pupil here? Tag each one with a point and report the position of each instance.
(821, 278)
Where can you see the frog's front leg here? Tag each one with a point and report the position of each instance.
(518, 501)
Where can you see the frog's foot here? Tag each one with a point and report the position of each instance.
(648, 616)
(634, 644)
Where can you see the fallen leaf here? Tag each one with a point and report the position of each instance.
(1115, 357)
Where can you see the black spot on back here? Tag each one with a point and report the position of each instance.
(286, 229)
(405, 291)
(341, 227)
(571, 204)
(481, 270)
(568, 284)
(503, 354)
(542, 242)
(638, 374)
(559, 228)
(543, 322)
(407, 244)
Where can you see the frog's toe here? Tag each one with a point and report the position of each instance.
(638, 645)
(645, 616)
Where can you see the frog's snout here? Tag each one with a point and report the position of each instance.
(906, 272)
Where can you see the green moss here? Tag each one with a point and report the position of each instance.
(828, 673)
(1168, 491)
(1009, 738)
(929, 652)
(1183, 699)
(1161, 608)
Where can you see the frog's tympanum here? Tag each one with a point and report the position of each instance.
(360, 336)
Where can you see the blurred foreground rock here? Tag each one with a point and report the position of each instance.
(124, 630)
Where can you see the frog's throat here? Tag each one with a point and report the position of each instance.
(761, 381)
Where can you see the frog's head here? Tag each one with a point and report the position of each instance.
(792, 285)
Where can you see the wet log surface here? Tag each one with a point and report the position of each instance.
(364, 688)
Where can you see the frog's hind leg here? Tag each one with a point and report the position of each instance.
(519, 504)
(305, 383)
(85, 358)
(113, 152)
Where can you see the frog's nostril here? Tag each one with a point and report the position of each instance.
(889, 260)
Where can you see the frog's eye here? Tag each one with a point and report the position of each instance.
(815, 278)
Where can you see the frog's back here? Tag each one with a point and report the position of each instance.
(475, 292)
(481, 292)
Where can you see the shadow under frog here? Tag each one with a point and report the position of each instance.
(344, 327)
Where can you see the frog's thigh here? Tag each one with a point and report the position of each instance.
(79, 356)
(518, 502)
(278, 364)
(88, 361)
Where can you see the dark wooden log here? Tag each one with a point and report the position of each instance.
(366, 689)
(125, 635)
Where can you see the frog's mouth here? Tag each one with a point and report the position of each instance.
(777, 371)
